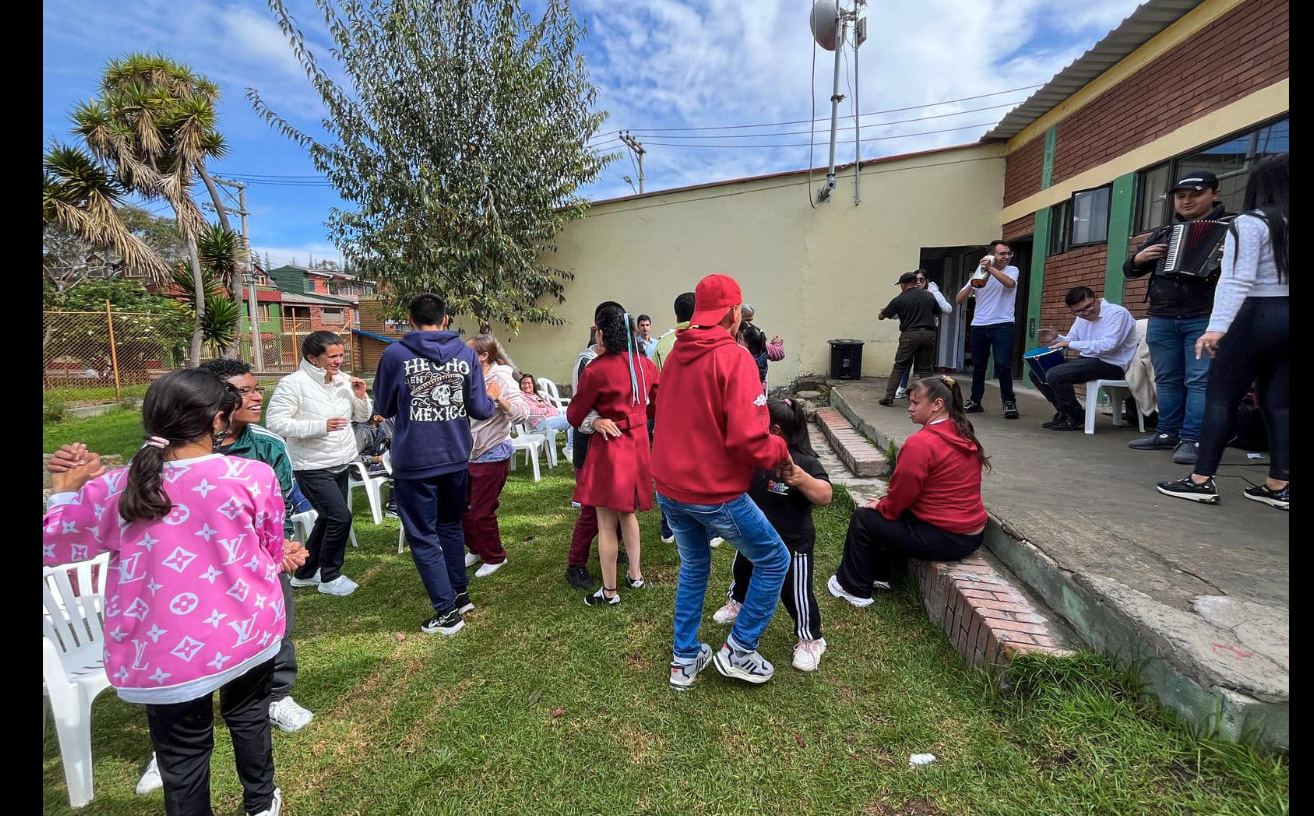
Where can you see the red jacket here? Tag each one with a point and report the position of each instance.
(938, 478)
(712, 426)
(616, 472)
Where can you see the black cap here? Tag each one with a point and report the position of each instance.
(1203, 180)
(907, 277)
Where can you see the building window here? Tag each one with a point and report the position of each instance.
(334, 316)
(1230, 159)
(298, 316)
(265, 311)
(1080, 221)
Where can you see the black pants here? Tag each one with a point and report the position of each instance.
(1256, 349)
(916, 351)
(285, 662)
(994, 340)
(431, 511)
(183, 735)
(1059, 381)
(327, 547)
(795, 593)
(873, 542)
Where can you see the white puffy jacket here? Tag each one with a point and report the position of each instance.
(299, 412)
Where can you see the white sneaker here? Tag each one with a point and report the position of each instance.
(900, 394)
(342, 586)
(838, 591)
(305, 582)
(715, 542)
(471, 559)
(275, 805)
(729, 612)
(289, 717)
(807, 654)
(488, 569)
(569, 453)
(668, 539)
(150, 780)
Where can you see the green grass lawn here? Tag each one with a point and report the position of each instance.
(543, 705)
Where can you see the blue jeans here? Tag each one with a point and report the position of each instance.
(997, 340)
(742, 524)
(431, 511)
(1179, 378)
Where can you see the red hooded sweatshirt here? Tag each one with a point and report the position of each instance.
(938, 477)
(712, 423)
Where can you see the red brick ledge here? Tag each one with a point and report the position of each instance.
(858, 454)
(987, 619)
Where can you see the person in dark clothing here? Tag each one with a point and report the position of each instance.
(430, 384)
(916, 310)
(1179, 313)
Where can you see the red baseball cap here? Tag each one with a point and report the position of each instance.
(713, 297)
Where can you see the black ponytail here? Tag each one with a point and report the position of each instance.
(179, 408)
(788, 415)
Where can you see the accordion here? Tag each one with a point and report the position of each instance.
(1194, 249)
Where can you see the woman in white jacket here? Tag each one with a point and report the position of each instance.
(490, 460)
(313, 409)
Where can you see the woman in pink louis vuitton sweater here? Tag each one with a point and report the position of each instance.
(193, 604)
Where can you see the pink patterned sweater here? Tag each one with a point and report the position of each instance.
(193, 599)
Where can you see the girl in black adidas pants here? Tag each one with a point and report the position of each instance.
(786, 499)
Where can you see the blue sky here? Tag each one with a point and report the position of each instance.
(658, 64)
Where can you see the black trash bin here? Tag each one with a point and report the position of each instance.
(846, 359)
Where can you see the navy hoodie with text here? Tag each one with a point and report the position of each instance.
(430, 384)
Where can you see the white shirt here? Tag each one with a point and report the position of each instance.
(1111, 337)
(1249, 271)
(939, 298)
(994, 301)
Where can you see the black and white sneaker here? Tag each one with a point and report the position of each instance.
(1010, 410)
(1281, 499)
(634, 583)
(463, 603)
(448, 623)
(1154, 441)
(972, 407)
(1206, 493)
(600, 598)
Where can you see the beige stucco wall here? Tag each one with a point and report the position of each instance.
(812, 274)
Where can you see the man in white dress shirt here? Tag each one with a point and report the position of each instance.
(1104, 335)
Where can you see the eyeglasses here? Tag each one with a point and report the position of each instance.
(248, 391)
(1086, 312)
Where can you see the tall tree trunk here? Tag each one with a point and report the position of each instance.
(198, 286)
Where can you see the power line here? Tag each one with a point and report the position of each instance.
(805, 144)
(845, 127)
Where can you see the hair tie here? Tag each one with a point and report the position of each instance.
(789, 402)
(946, 379)
(157, 442)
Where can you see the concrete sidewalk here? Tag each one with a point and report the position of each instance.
(1202, 592)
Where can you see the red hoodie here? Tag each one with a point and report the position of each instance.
(937, 477)
(712, 423)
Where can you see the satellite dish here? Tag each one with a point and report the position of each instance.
(825, 23)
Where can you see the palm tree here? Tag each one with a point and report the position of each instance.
(154, 123)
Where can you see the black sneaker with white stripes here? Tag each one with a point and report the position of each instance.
(448, 623)
(1281, 499)
(1206, 493)
(463, 603)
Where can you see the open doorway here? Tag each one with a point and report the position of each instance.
(949, 268)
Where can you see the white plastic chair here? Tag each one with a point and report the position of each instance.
(550, 388)
(303, 523)
(373, 484)
(1118, 393)
(73, 662)
(531, 444)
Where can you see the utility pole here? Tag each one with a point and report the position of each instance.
(248, 277)
(637, 146)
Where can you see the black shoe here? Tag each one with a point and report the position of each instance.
(1281, 499)
(463, 603)
(622, 557)
(600, 598)
(886, 401)
(1155, 441)
(1050, 422)
(1069, 422)
(1206, 493)
(578, 577)
(1010, 410)
(973, 407)
(448, 623)
(1186, 452)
